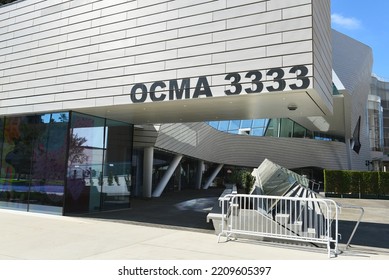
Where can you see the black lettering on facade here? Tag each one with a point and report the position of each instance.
(301, 76)
(152, 91)
(134, 94)
(202, 88)
(181, 89)
(177, 92)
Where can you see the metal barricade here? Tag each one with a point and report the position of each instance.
(300, 219)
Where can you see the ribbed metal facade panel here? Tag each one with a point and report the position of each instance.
(199, 140)
(145, 136)
(352, 62)
(75, 54)
(322, 49)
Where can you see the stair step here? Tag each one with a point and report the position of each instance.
(282, 218)
(311, 232)
(296, 227)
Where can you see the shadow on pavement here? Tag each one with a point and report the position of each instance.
(367, 234)
(186, 209)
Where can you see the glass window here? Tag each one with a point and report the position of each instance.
(234, 125)
(257, 131)
(85, 171)
(272, 128)
(299, 131)
(116, 187)
(99, 164)
(223, 125)
(246, 124)
(286, 128)
(214, 124)
(48, 164)
(33, 162)
(260, 122)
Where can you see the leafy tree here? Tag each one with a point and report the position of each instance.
(76, 150)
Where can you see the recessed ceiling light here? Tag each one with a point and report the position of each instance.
(292, 107)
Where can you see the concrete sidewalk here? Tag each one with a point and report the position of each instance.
(29, 236)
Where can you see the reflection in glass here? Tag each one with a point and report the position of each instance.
(116, 186)
(33, 162)
(99, 164)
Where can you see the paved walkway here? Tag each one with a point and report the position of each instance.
(27, 236)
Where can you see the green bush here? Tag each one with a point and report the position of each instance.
(335, 181)
(248, 181)
(356, 182)
(384, 183)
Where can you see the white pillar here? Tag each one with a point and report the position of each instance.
(165, 179)
(148, 171)
(213, 176)
(349, 147)
(199, 174)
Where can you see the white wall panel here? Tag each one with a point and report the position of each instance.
(247, 31)
(40, 99)
(297, 12)
(73, 95)
(265, 40)
(290, 24)
(215, 48)
(185, 3)
(297, 35)
(240, 10)
(157, 36)
(64, 61)
(77, 46)
(262, 63)
(76, 104)
(295, 59)
(151, 57)
(108, 20)
(104, 101)
(48, 107)
(101, 92)
(189, 41)
(20, 109)
(254, 19)
(47, 90)
(243, 150)
(322, 50)
(189, 62)
(287, 48)
(237, 55)
(202, 8)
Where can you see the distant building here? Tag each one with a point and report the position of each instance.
(379, 131)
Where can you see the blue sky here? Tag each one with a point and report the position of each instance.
(367, 22)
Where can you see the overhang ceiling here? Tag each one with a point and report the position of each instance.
(269, 105)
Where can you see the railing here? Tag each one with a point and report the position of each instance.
(362, 212)
(314, 186)
(299, 219)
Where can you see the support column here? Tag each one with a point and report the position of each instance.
(349, 147)
(199, 174)
(148, 171)
(213, 176)
(165, 179)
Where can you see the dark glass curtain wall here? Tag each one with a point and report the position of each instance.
(33, 165)
(64, 163)
(99, 164)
